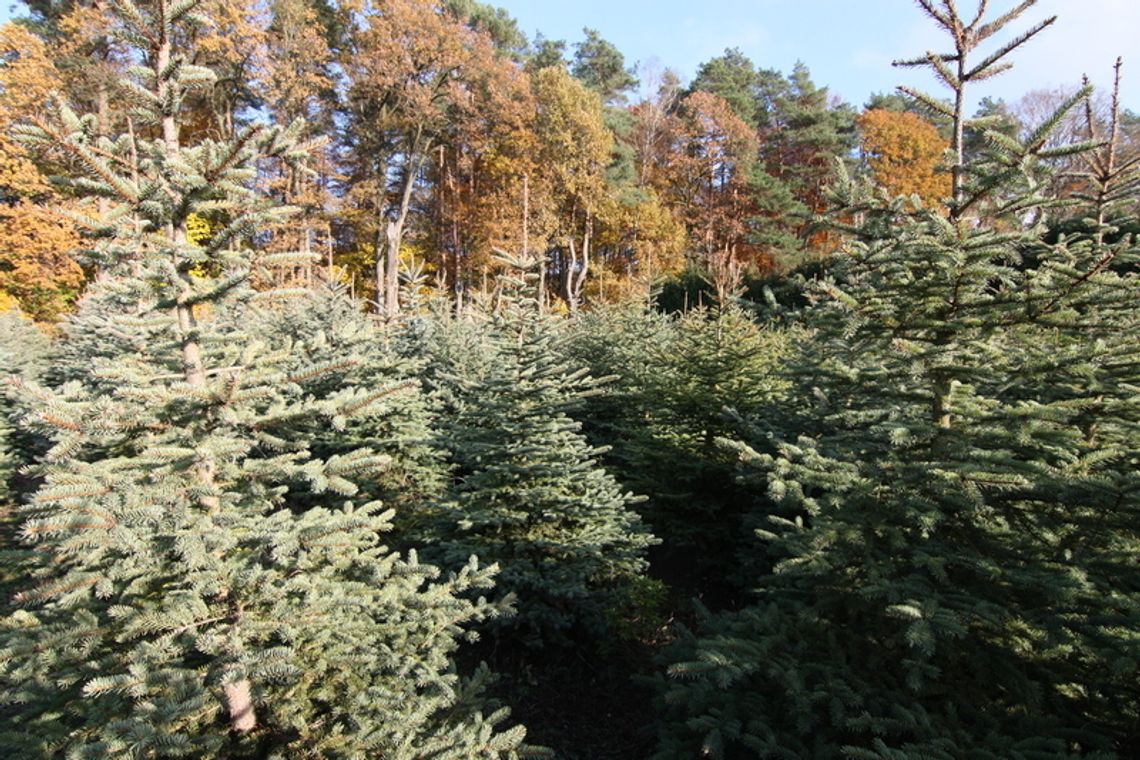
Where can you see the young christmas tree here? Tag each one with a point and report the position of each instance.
(204, 583)
(24, 351)
(959, 575)
(399, 424)
(529, 492)
(681, 383)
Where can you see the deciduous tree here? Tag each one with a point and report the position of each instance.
(574, 148)
(411, 68)
(36, 241)
(713, 157)
(905, 154)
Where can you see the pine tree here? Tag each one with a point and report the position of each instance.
(601, 68)
(801, 132)
(203, 582)
(529, 492)
(776, 215)
(962, 502)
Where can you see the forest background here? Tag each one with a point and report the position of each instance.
(630, 206)
(719, 417)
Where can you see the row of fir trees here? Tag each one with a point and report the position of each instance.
(331, 460)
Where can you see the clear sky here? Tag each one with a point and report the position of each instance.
(847, 44)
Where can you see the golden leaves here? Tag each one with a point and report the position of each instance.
(905, 152)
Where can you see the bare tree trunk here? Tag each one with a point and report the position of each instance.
(378, 245)
(392, 270)
(395, 235)
(568, 274)
(578, 269)
(380, 207)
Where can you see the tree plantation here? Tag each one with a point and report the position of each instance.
(382, 383)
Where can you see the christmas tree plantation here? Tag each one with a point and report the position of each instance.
(892, 513)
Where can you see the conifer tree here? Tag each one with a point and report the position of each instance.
(332, 326)
(962, 502)
(776, 214)
(801, 132)
(203, 583)
(682, 383)
(529, 492)
(24, 351)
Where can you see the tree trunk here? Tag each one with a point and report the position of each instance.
(239, 700)
(242, 719)
(176, 230)
(388, 266)
(943, 387)
(379, 245)
(392, 269)
(577, 269)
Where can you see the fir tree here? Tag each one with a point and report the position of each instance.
(384, 358)
(204, 583)
(24, 353)
(963, 501)
(682, 383)
(529, 492)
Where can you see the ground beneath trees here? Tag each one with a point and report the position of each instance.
(586, 706)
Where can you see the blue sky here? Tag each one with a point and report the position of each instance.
(848, 44)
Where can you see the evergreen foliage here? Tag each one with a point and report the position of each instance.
(529, 492)
(732, 77)
(682, 384)
(240, 517)
(24, 352)
(203, 582)
(802, 133)
(961, 501)
(761, 98)
(386, 360)
(601, 67)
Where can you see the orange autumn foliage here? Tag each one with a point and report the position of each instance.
(36, 267)
(904, 152)
(706, 180)
(27, 80)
